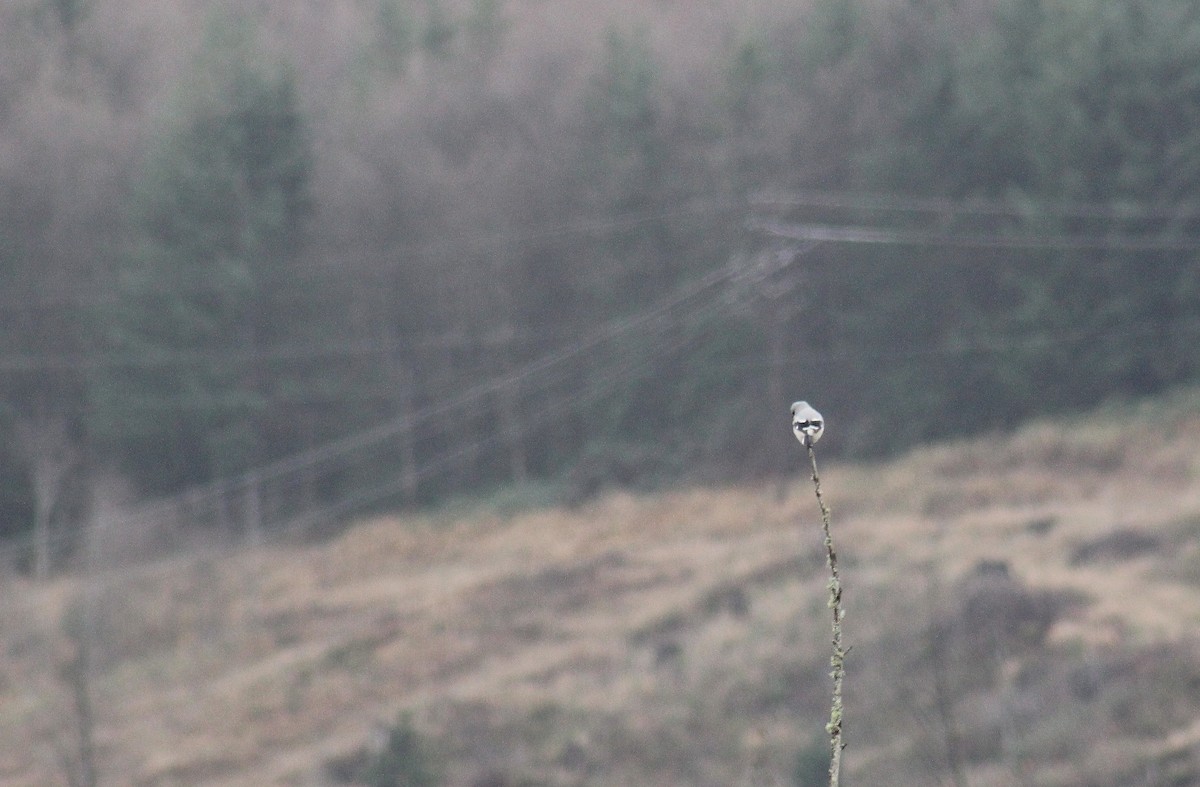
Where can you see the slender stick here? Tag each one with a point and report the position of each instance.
(838, 659)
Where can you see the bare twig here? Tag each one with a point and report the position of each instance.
(838, 659)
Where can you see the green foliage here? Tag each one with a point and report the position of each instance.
(1058, 104)
(220, 214)
(1040, 105)
(628, 110)
(1052, 101)
(402, 762)
(246, 239)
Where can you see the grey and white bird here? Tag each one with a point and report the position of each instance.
(807, 423)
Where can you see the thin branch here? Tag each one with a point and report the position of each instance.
(838, 659)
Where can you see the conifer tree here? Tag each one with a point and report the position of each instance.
(209, 286)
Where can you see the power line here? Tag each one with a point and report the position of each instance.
(237, 356)
(909, 237)
(544, 367)
(309, 459)
(449, 242)
(977, 345)
(226, 494)
(596, 390)
(974, 206)
(659, 340)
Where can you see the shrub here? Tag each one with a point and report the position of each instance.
(402, 761)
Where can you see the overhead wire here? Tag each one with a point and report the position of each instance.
(226, 493)
(803, 231)
(332, 451)
(451, 241)
(468, 241)
(607, 382)
(430, 466)
(234, 356)
(977, 345)
(1018, 207)
(911, 237)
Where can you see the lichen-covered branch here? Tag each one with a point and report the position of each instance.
(838, 659)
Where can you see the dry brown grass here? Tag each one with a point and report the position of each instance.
(671, 639)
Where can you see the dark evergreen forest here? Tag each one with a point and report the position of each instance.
(300, 259)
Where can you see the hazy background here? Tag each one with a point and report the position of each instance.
(549, 242)
(270, 269)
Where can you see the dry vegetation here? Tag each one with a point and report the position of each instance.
(1021, 609)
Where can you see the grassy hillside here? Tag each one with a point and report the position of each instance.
(1021, 609)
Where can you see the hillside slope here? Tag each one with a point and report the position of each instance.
(1022, 609)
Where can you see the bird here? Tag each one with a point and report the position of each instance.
(807, 423)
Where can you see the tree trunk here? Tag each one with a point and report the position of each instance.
(509, 410)
(402, 376)
(45, 444)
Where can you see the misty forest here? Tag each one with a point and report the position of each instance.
(235, 233)
(268, 268)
